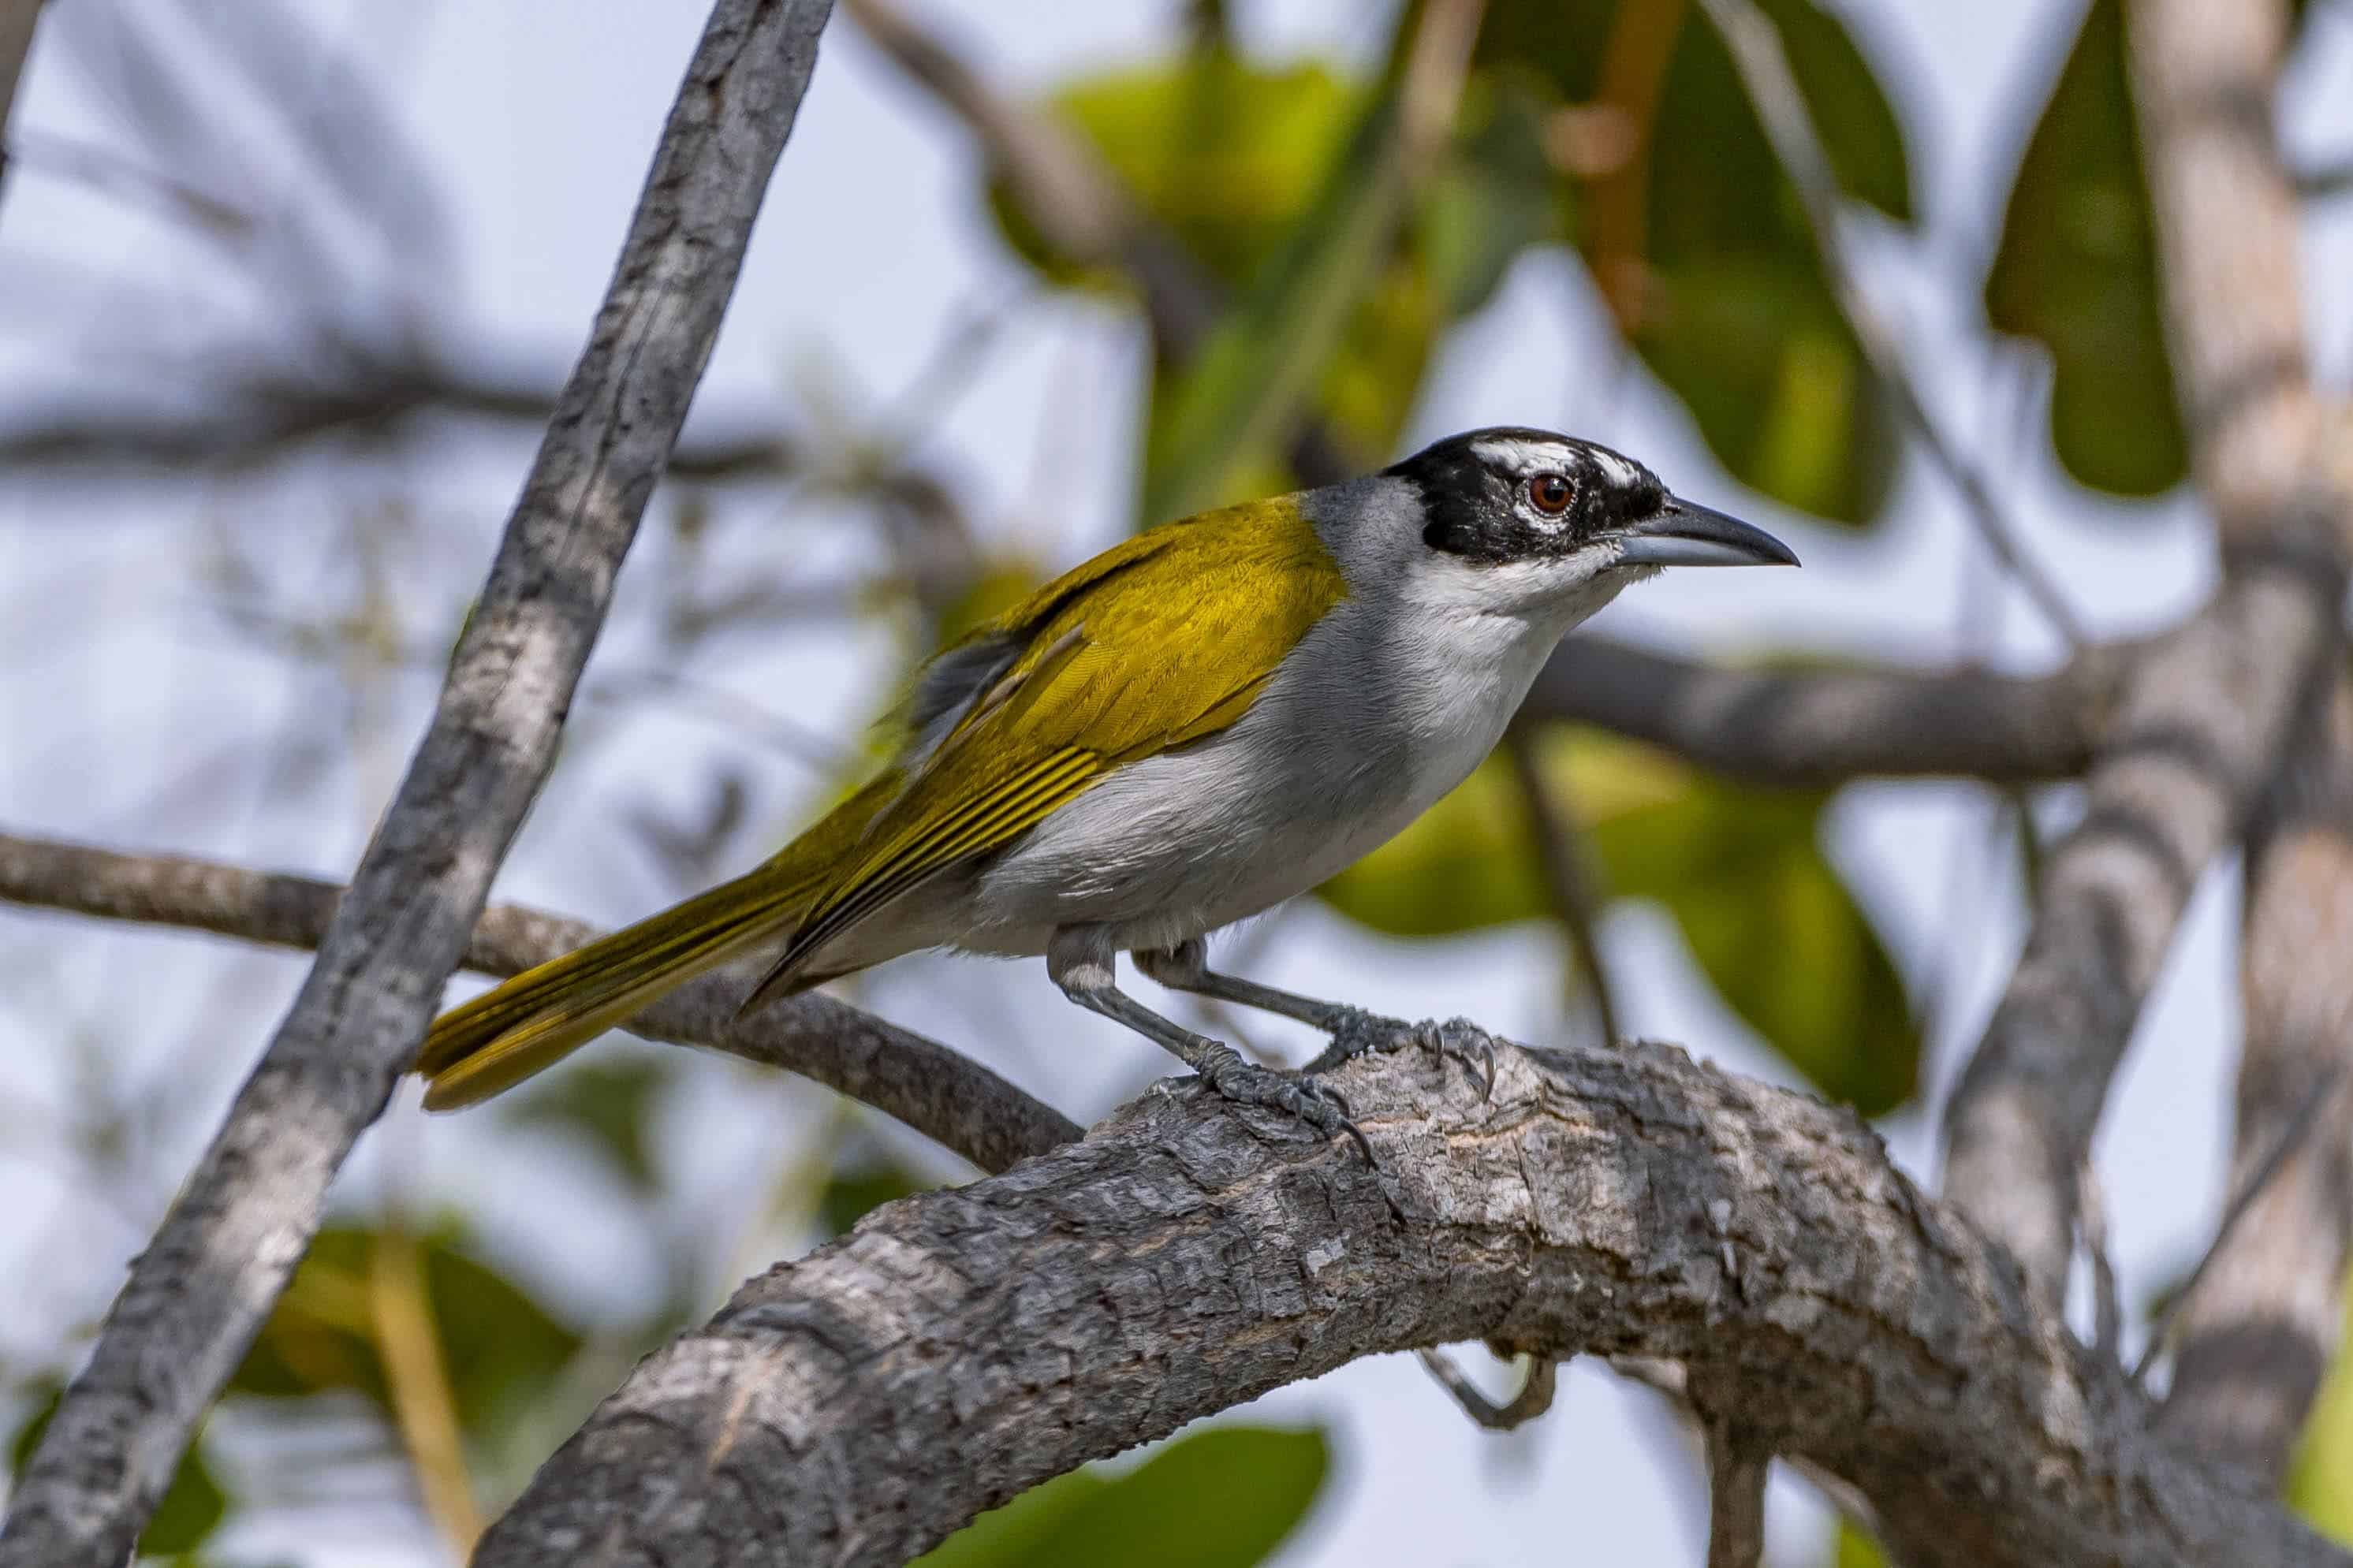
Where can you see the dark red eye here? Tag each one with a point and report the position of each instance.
(1550, 494)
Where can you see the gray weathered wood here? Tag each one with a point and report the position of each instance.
(854, 1406)
(202, 1289)
(2205, 719)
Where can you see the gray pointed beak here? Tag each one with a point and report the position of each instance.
(1682, 534)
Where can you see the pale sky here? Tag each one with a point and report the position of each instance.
(537, 117)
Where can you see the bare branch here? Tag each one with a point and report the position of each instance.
(855, 1405)
(1756, 48)
(1567, 873)
(1813, 727)
(939, 1092)
(199, 1292)
(1534, 1398)
(2258, 1318)
(1736, 1499)
(2107, 1309)
(17, 20)
(2206, 716)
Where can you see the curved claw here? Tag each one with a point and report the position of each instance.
(1318, 1105)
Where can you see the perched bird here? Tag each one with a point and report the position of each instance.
(1200, 722)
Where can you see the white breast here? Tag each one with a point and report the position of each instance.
(1387, 706)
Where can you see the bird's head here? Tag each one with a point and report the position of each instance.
(1518, 521)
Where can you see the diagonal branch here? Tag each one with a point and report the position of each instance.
(939, 1092)
(2258, 1322)
(2207, 715)
(199, 1292)
(854, 1406)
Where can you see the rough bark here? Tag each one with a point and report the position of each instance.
(2259, 1326)
(856, 1406)
(202, 1289)
(2204, 720)
(939, 1092)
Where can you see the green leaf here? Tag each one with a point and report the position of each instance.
(1741, 871)
(855, 1190)
(1225, 1497)
(1242, 394)
(499, 1346)
(191, 1507)
(2076, 271)
(605, 1102)
(1493, 198)
(1276, 181)
(1736, 317)
(2320, 1481)
(1853, 1548)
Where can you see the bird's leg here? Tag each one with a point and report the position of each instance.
(1354, 1030)
(1081, 959)
(1186, 967)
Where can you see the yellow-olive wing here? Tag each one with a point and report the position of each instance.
(1155, 643)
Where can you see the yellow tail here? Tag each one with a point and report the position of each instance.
(536, 1019)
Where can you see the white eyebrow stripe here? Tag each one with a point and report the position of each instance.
(1616, 469)
(1522, 457)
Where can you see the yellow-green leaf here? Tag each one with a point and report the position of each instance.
(1741, 871)
(2076, 271)
(1225, 1497)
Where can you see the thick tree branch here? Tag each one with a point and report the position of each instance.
(854, 1406)
(17, 19)
(2205, 718)
(2259, 1324)
(939, 1092)
(203, 1287)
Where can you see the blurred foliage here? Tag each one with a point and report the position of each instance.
(1741, 872)
(191, 1507)
(501, 1350)
(2076, 271)
(1282, 184)
(1699, 239)
(2320, 1481)
(1225, 1497)
(856, 1186)
(1853, 1547)
(605, 1104)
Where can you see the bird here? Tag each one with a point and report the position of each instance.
(1209, 718)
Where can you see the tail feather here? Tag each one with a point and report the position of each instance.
(542, 1015)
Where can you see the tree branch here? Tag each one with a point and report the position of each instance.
(1735, 1499)
(2258, 1322)
(1825, 727)
(2206, 717)
(939, 1092)
(202, 1289)
(856, 1406)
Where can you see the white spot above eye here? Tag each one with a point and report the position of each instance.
(1616, 471)
(1523, 457)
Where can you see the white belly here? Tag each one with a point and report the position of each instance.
(1363, 730)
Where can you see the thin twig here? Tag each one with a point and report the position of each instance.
(1534, 1398)
(2092, 1225)
(1560, 852)
(2274, 1160)
(1756, 46)
(1735, 1499)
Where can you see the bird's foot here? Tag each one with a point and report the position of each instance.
(1247, 1083)
(1362, 1032)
